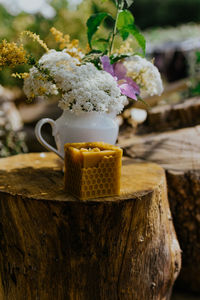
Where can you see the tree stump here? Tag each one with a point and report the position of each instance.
(178, 153)
(53, 246)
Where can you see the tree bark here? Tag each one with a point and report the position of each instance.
(178, 152)
(53, 246)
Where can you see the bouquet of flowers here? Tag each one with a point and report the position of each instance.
(102, 79)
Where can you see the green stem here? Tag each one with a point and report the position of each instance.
(120, 6)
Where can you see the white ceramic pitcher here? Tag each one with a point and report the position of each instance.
(76, 128)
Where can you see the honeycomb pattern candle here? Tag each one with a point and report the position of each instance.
(92, 169)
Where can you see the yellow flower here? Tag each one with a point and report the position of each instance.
(11, 54)
(41, 77)
(20, 75)
(88, 48)
(71, 47)
(36, 38)
(42, 90)
(73, 44)
(59, 38)
(32, 96)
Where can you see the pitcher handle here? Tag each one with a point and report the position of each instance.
(40, 139)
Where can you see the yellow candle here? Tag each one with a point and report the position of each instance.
(92, 169)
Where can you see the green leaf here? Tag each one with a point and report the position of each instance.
(126, 26)
(93, 52)
(139, 37)
(93, 24)
(138, 53)
(114, 57)
(129, 2)
(132, 29)
(125, 19)
(196, 90)
(101, 44)
(93, 57)
(124, 34)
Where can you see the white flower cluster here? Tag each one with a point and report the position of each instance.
(90, 89)
(43, 83)
(74, 52)
(145, 74)
(38, 84)
(82, 87)
(53, 57)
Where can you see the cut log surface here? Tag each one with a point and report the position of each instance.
(177, 150)
(53, 246)
(166, 117)
(179, 153)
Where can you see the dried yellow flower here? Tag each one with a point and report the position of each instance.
(36, 38)
(42, 90)
(20, 75)
(59, 38)
(32, 96)
(64, 40)
(41, 77)
(88, 48)
(11, 54)
(74, 53)
(73, 44)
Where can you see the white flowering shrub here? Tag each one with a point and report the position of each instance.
(81, 87)
(145, 74)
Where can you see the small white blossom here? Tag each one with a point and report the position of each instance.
(53, 57)
(74, 51)
(91, 89)
(37, 84)
(145, 74)
(82, 87)
(88, 106)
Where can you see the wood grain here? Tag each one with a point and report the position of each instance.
(178, 152)
(53, 246)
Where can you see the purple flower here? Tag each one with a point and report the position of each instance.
(127, 86)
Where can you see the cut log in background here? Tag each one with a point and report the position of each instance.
(178, 152)
(53, 246)
(168, 117)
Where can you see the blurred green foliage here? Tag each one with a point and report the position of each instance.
(195, 77)
(154, 13)
(148, 13)
(70, 22)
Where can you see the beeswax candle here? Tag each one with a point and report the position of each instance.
(92, 169)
